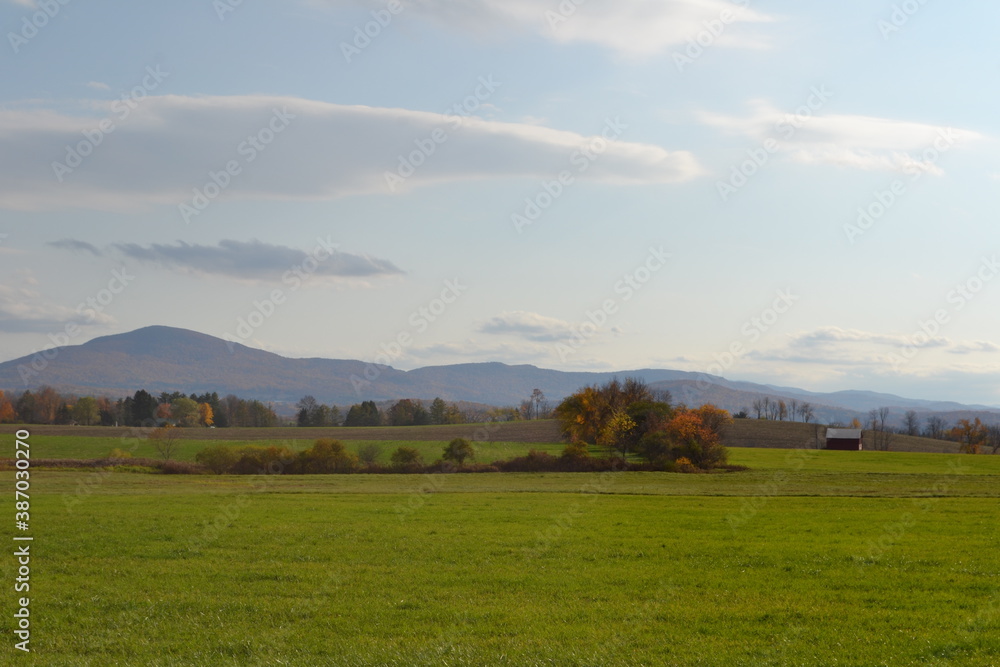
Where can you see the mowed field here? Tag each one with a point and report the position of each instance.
(809, 558)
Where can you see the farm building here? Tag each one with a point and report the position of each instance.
(844, 439)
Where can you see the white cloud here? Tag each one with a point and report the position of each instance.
(23, 309)
(167, 146)
(858, 142)
(630, 28)
(98, 85)
(530, 326)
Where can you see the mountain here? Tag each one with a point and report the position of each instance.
(160, 358)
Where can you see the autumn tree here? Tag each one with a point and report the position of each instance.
(7, 413)
(911, 423)
(206, 416)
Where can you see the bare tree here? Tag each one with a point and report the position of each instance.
(993, 438)
(806, 410)
(782, 411)
(911, 423)
(793, 409)
(878, 423)
(165, 440)
(759, 408)
(936, 427)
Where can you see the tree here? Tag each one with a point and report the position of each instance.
(7, 413)
(878, 423)
(992, 437)
(936, 427)
(911, 423)
(793, 409)
(458, 450)
(206, 416)
(85, 412)
(184, 412)
(47, 404)
(165, 440)
(408, 413)
(538, 403)
(782, 411)
(617, 432)
(307, 409)
(806, 410)
(971, 434)
(25, 407)
(364, 414)
(439, 410)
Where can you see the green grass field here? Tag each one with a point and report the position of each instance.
(810, 558)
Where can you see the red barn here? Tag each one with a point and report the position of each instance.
(844, 439)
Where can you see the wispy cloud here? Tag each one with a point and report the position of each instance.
(168, 146)
(629, 28)
(530, 326)
(255, 260)
(859, 142)
(76, 246)
(24, 309)
(98, 85)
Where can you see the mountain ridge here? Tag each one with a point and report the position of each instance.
(163, 358)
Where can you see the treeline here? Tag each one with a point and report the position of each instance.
(47, 406)
(406, 412)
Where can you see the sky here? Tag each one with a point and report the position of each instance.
(800, 194)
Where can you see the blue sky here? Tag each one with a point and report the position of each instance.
(795, 193)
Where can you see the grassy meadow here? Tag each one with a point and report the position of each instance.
(809, 558)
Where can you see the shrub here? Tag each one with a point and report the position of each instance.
(117, 453)
(458, 450)
(256, 460)
(220, 459)
(327, 456)
(406, 458)
(369, 453)
(575, 451)
(179, 468)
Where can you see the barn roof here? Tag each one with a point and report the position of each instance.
(843, 434)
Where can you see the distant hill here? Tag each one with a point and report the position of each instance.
(160, 358)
